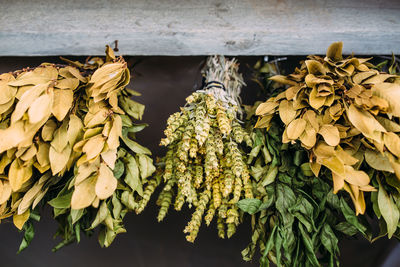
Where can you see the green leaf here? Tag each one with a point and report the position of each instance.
(351, 217)
(146, 166)
(132, 175)
(284, 201)
(271, 175)
(117, 207)
(347, 228)
(119, 169)
(76, 215)
(101, 215)
(137, 127)
(135, 147)
(329, 239)
(389, 210)
(29, 233)
(375, 206)
(61, 202)
(128, 200)
(249, 205)
(270, 243)
(308, 244)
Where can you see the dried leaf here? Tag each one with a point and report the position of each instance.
(330, 134)
(295, 128)
(286, 111)
(62, 103)
(20, 220)
(106, 182)
(84, 194)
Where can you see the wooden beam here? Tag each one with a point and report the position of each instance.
(198, 27)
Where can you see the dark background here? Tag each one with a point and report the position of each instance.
(164, 82)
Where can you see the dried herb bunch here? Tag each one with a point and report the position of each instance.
(205, 166)
(61, 128)
(345, 112)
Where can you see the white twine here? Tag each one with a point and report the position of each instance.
(223, 71)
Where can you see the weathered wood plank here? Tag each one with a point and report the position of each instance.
(188, 27)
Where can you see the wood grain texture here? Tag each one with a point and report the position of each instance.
(193, 27)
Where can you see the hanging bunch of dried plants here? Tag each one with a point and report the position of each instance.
(345, 113)
(61, 132)
(205, 165)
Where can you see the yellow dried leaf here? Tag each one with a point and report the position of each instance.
(334, 164)
(59, 160)
(311, 117)
(115, 133)
(330, 134)
(315, 67)
(354, 177)
(26, 101)
(361, 76)
(315, 101)
(75, 127)
(345, 157)
(286, 111)
(334, 51)
(18, 174)
(309, 137)
(106, 182)
(20, 220)
(365, 123)
(84, 194)
(391, 93)
(7, 93)
(28, 198)
(40, 108)
(76, 73)
(282, 79)
(110, 157)
(263, 122)
(48, 130)
(62, 103)
(60, 139)
(85, 170)
(392, 142)
(315, 168)
(93, 119)
(389, 125)
(68, 83)
(29, 153)
(6, 191)
(338, 182)
(295, 128)
(266, 108)
(12, 136)
(93, 146)
(379, 78)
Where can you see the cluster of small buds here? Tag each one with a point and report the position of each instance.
(207, 163)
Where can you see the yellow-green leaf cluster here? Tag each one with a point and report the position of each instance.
(344, 111)
(61, 126)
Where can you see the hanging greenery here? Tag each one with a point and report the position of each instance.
(344, 112)
(205, 165)
(61, 128)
